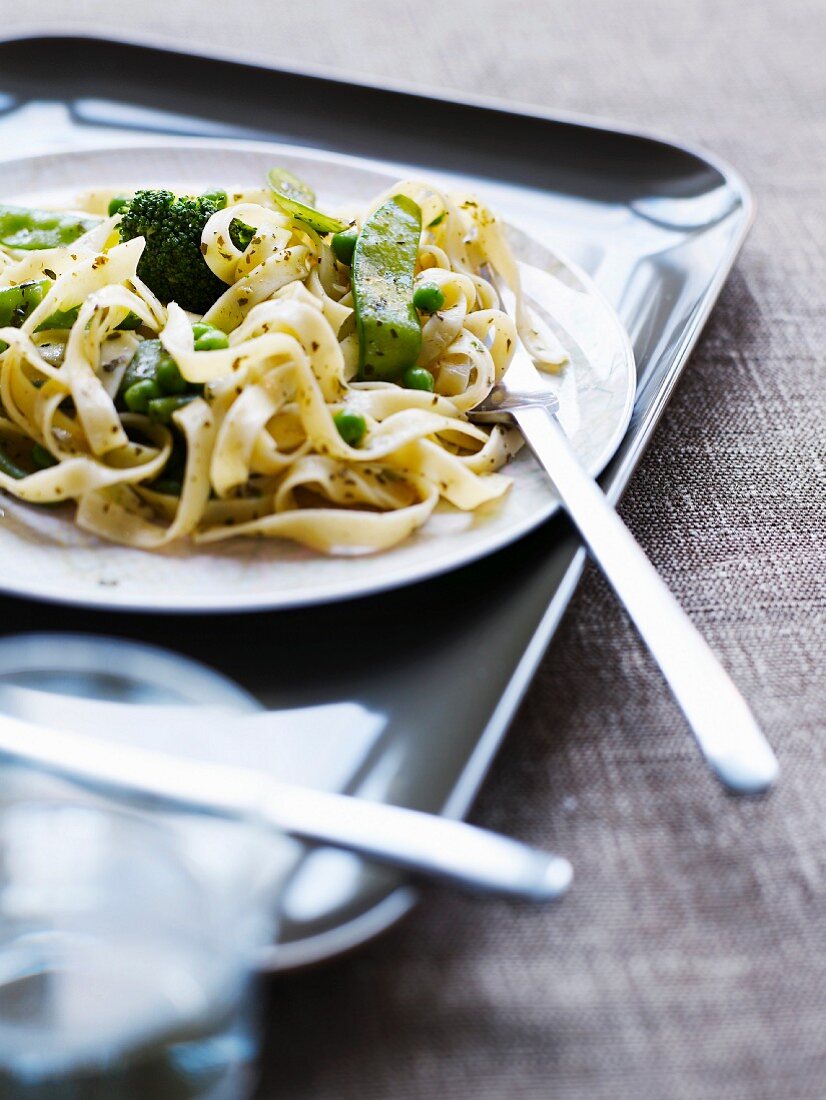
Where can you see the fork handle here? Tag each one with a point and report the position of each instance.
(722, 723)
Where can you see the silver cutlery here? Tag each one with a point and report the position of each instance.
(429, 845)
(719, 717)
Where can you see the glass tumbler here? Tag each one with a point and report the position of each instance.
(124, 974)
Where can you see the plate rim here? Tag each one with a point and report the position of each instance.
(109, 599)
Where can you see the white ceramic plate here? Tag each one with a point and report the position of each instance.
(44, 555)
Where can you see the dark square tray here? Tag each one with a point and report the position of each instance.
(658, 225)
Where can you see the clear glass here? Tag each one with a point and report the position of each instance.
(122, 975)
(127, 940)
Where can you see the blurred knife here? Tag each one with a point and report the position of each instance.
(429, 845)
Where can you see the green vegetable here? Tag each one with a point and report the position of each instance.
(28, 229)
(351, 427)
(161, 408)
(241, 234)
(389, 330)
(65, 318)
(10, 468)
(117, 204)
(140, 394)
(344, 244)
(152, 374)
(296, 199)
(217, 196)
(41, 458)
(208, 337)
(169, 377)
(172, 265)
(17, 302)
(428, 298)
(212, 341)
(285, 183)
(61, 318)
(417, 378)
(143, 364)
(437, 220)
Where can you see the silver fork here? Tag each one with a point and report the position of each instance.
(722, 723)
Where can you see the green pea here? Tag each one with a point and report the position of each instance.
(161, 408)
(351, 427)
(428, 298)
(417, 378)
(207, 337)
(169, 377)
(213, 340)
(217, 196)
(117, 204)
(41, 458)
(344, 245)
(139, 394)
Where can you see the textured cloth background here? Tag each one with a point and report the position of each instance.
(689, 961)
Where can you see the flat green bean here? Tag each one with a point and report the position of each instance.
(389, 329)
(297, 199)
(22, 227)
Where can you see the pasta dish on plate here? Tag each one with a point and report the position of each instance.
(245, 363)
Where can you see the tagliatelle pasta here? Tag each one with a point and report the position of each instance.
(270, 424)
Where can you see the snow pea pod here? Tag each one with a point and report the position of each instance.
(17, 302)
(296, 199)
(21, 227)
(65, 318)
(11, 469)
(286, 183)
(41, 458)
(389, 330)
(61, 318)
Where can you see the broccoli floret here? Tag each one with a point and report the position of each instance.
(172, 265)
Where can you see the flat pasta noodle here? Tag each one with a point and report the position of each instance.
(249, 441)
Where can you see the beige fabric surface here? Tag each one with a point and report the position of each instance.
(689, 960)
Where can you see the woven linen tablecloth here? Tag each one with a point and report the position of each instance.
(689, 960)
